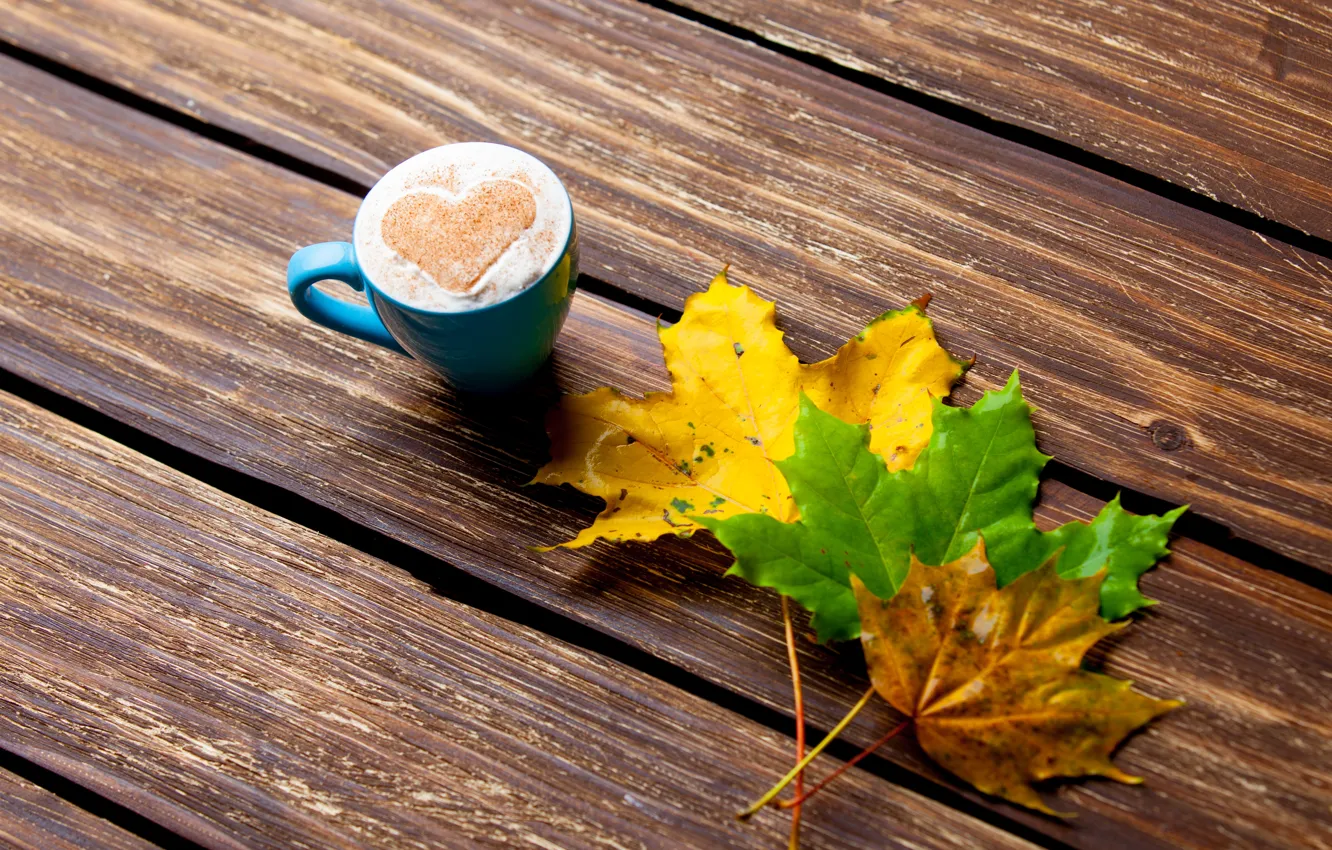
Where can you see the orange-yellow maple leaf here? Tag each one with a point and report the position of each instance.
(992, 677)
(707, 447)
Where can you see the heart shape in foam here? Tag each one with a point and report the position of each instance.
(457, 241)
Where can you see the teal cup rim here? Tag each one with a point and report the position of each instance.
(551, 265)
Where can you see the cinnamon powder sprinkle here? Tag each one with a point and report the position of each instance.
(457, 242)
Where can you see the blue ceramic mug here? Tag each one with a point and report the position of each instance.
(486, 349)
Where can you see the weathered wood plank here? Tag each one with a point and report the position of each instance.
(1169, 351)
(164, 307)
(252, 684)
(32, 818)
(1230, 98)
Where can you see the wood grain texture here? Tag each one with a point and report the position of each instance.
(32, 818)
(1169, 352)
(164, 307)
(249, 683)
(1230, 98)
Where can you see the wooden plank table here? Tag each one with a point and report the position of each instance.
(686, 150)
(286, 596)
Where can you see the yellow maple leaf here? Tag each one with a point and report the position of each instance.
(708, 446)
(992, 679)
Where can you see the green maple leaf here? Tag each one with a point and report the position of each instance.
(977, 477)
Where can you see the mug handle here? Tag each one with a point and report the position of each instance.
(334, 261)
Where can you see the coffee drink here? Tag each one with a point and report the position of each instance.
(462, 226)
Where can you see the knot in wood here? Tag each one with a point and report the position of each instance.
(1167, 436)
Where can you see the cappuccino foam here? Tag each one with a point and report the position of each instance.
(462, 226)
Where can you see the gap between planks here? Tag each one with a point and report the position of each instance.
(107, 825)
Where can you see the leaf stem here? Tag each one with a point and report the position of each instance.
(794, 843)
(804, 762)
(799, 798)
